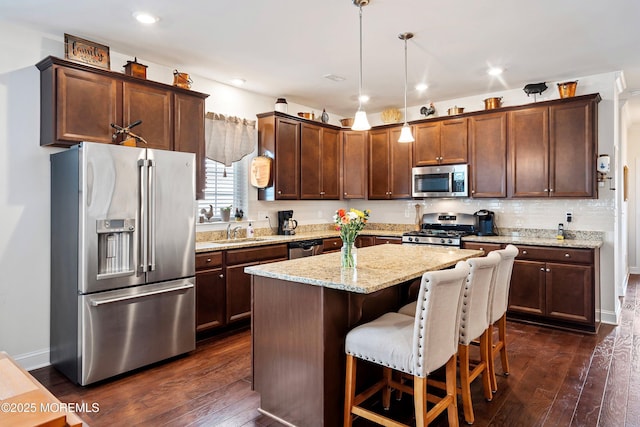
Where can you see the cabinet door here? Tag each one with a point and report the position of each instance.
(527, 291)
(426, 147)
(488, 152)
(238, 292)
(85, 106)
(401, 161)
(210, 299)
(570, 292)
(453, 141)
(287, 159)
(379, 164)
(354, 164)
(529, 152)
(572, 159)
(310, 161)
(188, 133)
(152, 106)
(330, 164)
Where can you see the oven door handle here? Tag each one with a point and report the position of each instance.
(97, 303)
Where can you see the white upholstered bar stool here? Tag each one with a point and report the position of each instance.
(498, 312)
(415, 345)
(474, 325)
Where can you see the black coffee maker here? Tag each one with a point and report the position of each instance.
(486, 223)
(283, 219)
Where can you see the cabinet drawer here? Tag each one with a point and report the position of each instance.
(240, 256)
(208, 260)
(331, 244)
(486, 247)
(583, 256)
(387, 240)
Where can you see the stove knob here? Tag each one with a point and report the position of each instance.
(449, 241)
(416, 240)
(410, 239)
(442, 241)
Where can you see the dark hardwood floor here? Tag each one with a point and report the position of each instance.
(558, 378)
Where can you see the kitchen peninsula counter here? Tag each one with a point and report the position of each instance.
(302, 310)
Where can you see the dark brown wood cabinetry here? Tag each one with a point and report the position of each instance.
(389, 165)
(223, 289)
(354, 164)
(553, 286)
(331, 244)
(383, 240)
(79, 103)
(488, 155)
(319, 162)
(553, 149)
(440, 142)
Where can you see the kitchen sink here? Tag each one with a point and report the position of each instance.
(240, 240)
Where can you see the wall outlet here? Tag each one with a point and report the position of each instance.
(569, 217)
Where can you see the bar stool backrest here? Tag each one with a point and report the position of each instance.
(500, 297)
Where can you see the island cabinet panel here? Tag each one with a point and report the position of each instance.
(153, 107)
(556, 286)
(389, 165)
(210, 291)
(354, 164)
(488, 155)
(441, 142)
(78, 106)
(319, 162)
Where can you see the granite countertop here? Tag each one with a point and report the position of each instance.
(219, 245)
(379, 267)
(536, 241)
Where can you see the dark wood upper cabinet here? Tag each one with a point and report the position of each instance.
(553, 149)
(79, 103)
(488, 155)
(354, 164)
(279, 139)
(152, 106)
(389, 165)
(440, 142)
(319, 162)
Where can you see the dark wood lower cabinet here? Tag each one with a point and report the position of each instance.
(210, 303)
(238, 292)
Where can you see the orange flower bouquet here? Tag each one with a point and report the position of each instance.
(349, 223)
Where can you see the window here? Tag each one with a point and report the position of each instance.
(222, 191)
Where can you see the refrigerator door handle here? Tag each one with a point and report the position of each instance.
(144, 186)
(97, 303)
(152, 215)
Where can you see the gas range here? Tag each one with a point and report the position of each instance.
(442, 229)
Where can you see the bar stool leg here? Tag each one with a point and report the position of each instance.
(502, 335)
(450, 378)
(485, 356)
(350, 390)
(420, 400)
(465, 388)
(492, 364)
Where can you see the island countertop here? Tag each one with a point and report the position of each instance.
(379, 267)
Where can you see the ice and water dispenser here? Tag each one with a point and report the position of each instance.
(115, 247)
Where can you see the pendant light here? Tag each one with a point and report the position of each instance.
(405, 133)
(360, 121)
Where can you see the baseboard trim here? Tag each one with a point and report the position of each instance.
(608, 317)
(33, 360)
(634, 270)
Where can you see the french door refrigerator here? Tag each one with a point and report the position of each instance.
(122, 258)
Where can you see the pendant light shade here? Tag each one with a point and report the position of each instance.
(405, 134)
(360, 121)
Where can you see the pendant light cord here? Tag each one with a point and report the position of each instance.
(405, 80)
(360, 82)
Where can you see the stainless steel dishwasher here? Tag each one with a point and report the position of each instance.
(304, 248)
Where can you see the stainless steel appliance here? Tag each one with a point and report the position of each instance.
(122, 259)
(442, 229)
(486, 223)
(440, 181)
(305, 248)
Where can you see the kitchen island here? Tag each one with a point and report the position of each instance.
(302, 310)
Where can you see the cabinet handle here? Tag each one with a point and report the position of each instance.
(322, 193)
(541, 268)
(208, 259)
(551, 190)
(221, 276)
(524, 252)
(548, 270)
(473, 191)
(335, 243)
(482, 249)
(546, 190)
(279, 192)
(567, 255)
(345, 193)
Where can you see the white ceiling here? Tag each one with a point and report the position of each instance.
(283, 48)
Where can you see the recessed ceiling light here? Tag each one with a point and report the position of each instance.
(238, 82)
(145, 18)
(494, 71)
(364, 98)
(420, 87)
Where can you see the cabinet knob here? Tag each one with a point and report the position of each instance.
(546, 190)
(208, 259)
(482, 249)
(335, 243)
(279, 192)
(345, 194)
(524, 252)
(548, 270)
(541, 268)
(322, 193)
(221, 276)
(473, 191)
(551, 190)
(567, 255)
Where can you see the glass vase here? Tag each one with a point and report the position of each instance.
(348, 255)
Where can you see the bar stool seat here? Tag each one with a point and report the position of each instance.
(415, 345)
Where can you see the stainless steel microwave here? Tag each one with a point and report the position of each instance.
(440, 181)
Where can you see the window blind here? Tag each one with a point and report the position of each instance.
(222, 191)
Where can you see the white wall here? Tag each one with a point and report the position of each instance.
(24, 184)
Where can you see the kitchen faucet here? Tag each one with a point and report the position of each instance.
(235, 231)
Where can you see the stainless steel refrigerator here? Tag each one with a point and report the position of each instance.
(122, 258)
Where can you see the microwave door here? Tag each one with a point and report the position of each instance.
(433, 184)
